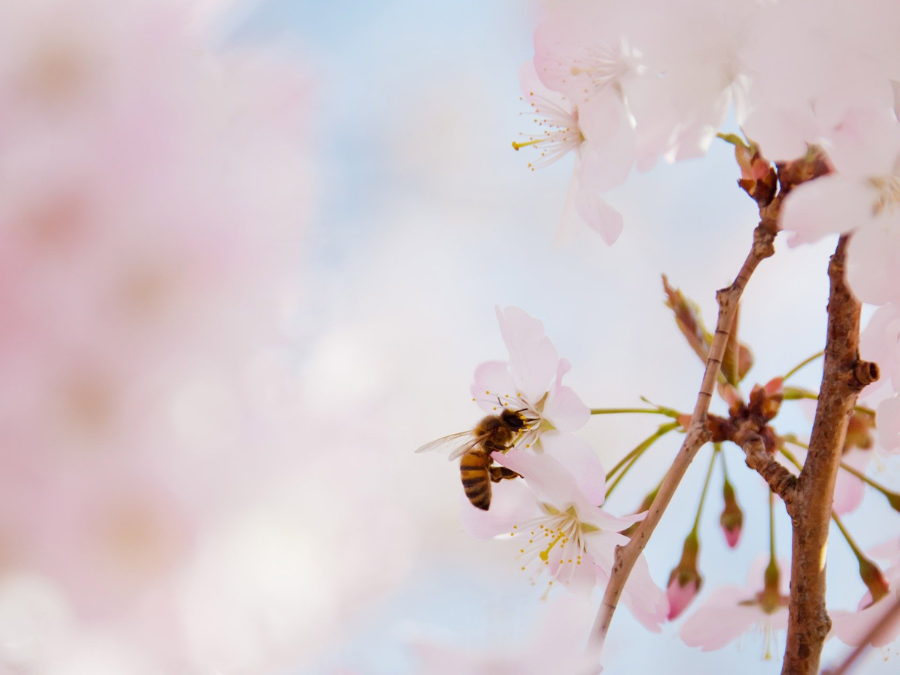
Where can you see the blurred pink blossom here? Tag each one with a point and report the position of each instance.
(153, 196)
(729, 611)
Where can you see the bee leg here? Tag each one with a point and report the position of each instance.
(499, 473)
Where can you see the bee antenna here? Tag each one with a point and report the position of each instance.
(499, 401)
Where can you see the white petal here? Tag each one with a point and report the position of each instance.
(826, 205)
(533, 359)
(580, 460)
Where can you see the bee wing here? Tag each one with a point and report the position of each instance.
(456, 444)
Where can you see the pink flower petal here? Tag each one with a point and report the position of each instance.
(580, 460)
(599, 216)
(721, 619)
(548, 478)
(533, 359)
(511, 503)
(848, 489)
(492, 379)
(888, 414)
(782, 134)
(873, 258)
(826, 205)
(564, 409)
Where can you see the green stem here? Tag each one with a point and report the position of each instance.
(632, 457)
(789, 456)
(646, 443)
(650, 411)
(718, 447)
(712, 463)
(856, 551)
(804, 363)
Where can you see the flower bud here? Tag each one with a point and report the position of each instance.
(685, 580)
(873, 579)
(758, 177)
(732, 518)
(766, 401)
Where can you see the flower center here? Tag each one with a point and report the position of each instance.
(561, 132)
(603, 65)
(553, 543)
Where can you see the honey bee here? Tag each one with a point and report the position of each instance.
(494, 433)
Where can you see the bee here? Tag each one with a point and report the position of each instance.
(494, 433)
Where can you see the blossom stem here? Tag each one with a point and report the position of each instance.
(718, 447)
(712, 463)
(631, 458)
(806, 362)
(668, 412)
(853, 546)
(697, 433)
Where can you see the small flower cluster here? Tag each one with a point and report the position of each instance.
(554, 516)
(625, 83)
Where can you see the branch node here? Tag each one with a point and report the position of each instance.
(866, 372)
(781, 481)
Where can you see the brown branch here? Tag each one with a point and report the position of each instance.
(697, 434)
(893, 614)
(809, 623)
(781, 481)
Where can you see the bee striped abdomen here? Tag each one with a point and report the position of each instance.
(476, 480)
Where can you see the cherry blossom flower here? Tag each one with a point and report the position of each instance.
(556, 646)
(600, 133)
(840, 59)
(863, 196)
(730, 611)
(560, 532)
(532, 382)
(852, 627)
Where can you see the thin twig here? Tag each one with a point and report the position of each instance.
(781, 481)
(697, 434)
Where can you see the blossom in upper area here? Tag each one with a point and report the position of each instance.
(556, 646)
(560, 532)
(730, 611)
(531, 382)
(600, 133)
(813, 62)
(863, 197)
(853, 627)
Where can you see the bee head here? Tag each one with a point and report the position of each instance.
(513, 419)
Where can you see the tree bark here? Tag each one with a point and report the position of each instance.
(843, 377)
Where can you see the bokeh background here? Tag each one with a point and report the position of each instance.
(251, 255)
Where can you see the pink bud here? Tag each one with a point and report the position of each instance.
(732, 518)
(680, 596)
(685, 580)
